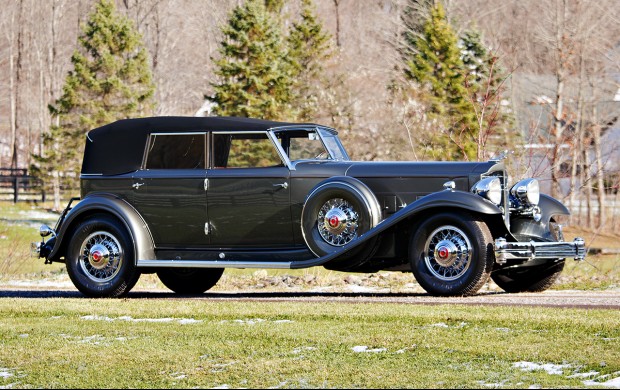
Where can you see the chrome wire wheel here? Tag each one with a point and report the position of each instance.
(338, 222)
(448, 253)
(101, 256)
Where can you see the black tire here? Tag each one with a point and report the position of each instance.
(528, 279)
(190, 280)
(100, 258)
(451, 254)
(336, 213)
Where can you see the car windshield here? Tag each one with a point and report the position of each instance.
(311, 144)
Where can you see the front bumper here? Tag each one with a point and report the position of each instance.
(506, 251)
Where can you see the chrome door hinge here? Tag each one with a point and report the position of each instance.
(206, 184)
(207, 228)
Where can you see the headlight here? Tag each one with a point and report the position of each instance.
(527, 191)
(490, 188)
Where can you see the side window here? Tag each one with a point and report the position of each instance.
(306, 145)
(176, 151)
(244, 151)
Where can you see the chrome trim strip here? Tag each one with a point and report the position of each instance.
(505, 250)
(212, 264)
(281, 152)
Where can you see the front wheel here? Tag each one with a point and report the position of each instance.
(451, 254)
(100, 258)
(190, 280)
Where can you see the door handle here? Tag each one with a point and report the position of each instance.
(137, 185)
(281, 185)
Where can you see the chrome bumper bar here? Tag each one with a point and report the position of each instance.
(505, 251)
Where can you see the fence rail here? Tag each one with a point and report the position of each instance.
(17, 185)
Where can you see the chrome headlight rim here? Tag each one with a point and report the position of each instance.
(489, 188)
(527, 192)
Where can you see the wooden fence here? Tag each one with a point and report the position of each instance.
(17, 185)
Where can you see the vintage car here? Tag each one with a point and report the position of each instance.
(187, 197)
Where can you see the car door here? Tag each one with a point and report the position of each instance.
(248, 193)
(169, 192)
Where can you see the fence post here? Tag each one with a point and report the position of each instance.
(15, 189)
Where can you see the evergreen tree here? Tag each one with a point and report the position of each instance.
(309, 48)
(254, 73)
(111, 79)
(439, 71)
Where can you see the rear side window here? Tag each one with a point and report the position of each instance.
(176, 151)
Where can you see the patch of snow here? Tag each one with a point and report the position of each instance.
(182, 321)
(186, 321)
(584, 374)
(611, 384)
(279, 385)
(282, 321)
(535, 386)
(5, 373)
(505, 330)
(9, 386)
(23, 336)
(248, 321)
(440, 325)
(365, 349)
(550, 368)
(221, 387)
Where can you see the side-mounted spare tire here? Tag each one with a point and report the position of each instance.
(338, 211)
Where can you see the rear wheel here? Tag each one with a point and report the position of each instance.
(190, 280)
(528, 279)
(100, 258)
(451, 254)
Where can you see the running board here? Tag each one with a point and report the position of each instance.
(212, 264)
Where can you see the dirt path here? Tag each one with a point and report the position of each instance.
(561, 299)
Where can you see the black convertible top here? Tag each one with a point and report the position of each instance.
(118, 147)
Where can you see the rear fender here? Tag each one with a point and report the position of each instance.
(107, 204)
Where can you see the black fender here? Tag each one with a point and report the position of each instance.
(455, 200)
(110, 204)
(527, 226)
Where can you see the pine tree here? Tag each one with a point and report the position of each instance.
(309, 48)
(111, 79)
(254, 74)
(439, 71)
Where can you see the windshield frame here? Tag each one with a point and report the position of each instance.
(328, 137)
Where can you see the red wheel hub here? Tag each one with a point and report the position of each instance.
(334, 221)
(97, 256)
(443, 252)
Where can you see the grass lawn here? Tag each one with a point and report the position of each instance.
(169, 343)
(176, 343)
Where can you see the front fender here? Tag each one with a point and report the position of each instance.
(527, 226)
(110, 204)
(458, 200)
